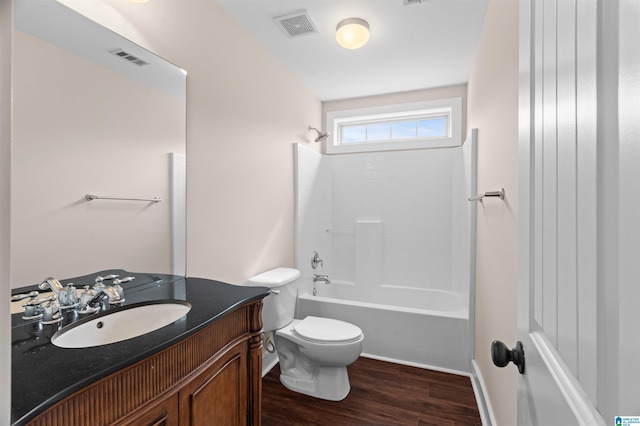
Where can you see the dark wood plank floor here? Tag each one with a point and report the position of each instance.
(382, 393)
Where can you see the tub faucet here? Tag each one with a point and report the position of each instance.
(323, 278)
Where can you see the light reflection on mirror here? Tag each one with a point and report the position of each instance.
(87, 121)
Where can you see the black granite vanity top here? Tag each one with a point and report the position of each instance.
(43, 374)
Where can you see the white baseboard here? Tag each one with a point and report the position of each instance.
(479, 390)
(415, 364)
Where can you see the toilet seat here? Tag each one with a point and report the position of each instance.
(326, 330)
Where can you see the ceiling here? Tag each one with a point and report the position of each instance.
(411, 47)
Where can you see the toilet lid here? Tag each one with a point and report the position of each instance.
(327, 330)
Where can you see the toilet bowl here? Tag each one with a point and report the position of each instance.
(313, 360)
(313, 352)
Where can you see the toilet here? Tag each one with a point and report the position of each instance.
(314, 352)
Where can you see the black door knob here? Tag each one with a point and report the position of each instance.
(502, 355)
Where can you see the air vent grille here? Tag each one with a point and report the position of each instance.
(296, 24)
(129, 57)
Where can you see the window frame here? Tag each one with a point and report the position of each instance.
(450, 107)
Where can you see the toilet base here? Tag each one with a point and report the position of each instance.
(330, 383)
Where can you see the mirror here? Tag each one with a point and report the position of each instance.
(90, 119)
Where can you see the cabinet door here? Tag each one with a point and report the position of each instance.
(218, 395)
(161, 413)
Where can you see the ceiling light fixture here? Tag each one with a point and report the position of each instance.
(352, 33)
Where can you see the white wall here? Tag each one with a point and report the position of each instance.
(72, 137)
(6, 30)
(493, 109)
(244, 112)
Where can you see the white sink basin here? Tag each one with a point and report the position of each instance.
(119, 325)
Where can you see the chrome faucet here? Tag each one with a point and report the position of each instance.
(51, 283)
(49, 308)
(106, 290)
(115, 293)
(323, 278)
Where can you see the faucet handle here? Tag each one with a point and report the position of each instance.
(118, 288)
(51, 312)
(86, 297)
(33, 308)
(315, 260)
(99, 279)
(35, 302)
(18, 297)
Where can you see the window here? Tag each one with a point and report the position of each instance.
(426, 124)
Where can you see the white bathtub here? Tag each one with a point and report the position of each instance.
(431, 330)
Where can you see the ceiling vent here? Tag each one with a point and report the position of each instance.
(296, 24)
(410, 2)
(129, 57)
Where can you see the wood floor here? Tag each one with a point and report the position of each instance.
(382, 393)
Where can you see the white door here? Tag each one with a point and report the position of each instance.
(579, 231)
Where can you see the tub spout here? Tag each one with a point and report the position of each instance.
(323, 278)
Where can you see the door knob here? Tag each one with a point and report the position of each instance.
(502, 355)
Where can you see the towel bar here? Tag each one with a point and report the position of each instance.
(90, 197)
(479, 197)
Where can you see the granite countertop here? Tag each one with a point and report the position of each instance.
(43, 374)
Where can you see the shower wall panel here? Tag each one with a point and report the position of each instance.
(413, 202)
(412, 194)
(313, 204)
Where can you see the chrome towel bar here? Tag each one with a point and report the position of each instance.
(91, 197)
(479, 197)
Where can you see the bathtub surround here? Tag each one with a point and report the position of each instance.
(368, 250)
(394, 230)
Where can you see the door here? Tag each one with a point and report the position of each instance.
(579, 235)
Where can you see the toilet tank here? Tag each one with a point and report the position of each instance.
(280, 305)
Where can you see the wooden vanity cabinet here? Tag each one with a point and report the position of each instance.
(164, 412)
(213, 377)
(218, 395)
